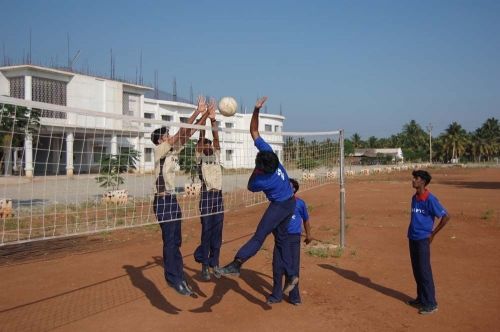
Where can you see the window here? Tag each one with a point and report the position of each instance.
(268, 128)
(148, 155)
(17, 87)
(166, 118)
(218, 123)
(131, 104)
(48, 91)
(148, 116)
(229, 125)
(229, 155)
(183, 119)
(98, 152)
(277, 129)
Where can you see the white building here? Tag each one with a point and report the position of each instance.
(70, 143)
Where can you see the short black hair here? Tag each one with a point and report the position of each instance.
(207, 141)
(157, 134)
(267, 161)
(424, 175)
(295, 185)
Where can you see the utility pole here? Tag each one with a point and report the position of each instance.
(429, 128)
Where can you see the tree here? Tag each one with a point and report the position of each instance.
(112, 166)
(187, 159)
(356, 140)
(414, 141)
(15, 123)
(486, 139)
(455, 140)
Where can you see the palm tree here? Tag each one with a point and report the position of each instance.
(413, 136)
(356, 140)
(487, 139)
(455, 139)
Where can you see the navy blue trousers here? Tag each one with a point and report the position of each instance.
(168, 213)
(279, 270)
(420, 254)
(212, 218)
(275, 220)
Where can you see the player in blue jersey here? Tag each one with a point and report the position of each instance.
(270, 177)
(299, 218)
(425, 207)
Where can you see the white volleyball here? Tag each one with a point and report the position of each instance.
(228, 106)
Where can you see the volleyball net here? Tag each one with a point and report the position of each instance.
(68, 171)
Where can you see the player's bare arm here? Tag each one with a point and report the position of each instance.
(307, 228)
(441, 224)
(254, 124)
(212, 106)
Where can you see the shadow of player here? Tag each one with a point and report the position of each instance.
(224, 285)
(354, 276)
(149, 289)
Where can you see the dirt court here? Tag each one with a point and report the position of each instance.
(114, 281)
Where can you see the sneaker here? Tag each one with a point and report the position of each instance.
(296, 303)
(414, 303)
(216, 272)
(290, 284)
(231, 269)
(205, 273)
(428, 310)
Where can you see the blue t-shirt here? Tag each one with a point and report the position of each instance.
(276, 185)
(299, 216)
(423, 212)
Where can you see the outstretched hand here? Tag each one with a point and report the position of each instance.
(260, 102)
(212, 106)
(202, 104)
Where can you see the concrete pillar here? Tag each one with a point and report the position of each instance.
(28, 88)
(139, 146)
(28, 156)
(114, 145)
(69, 153)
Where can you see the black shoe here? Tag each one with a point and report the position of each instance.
(428, 310)
(414, 303)
(205, 273)
(216, 272)
(231, 269)
(272, 300)
(182, 288)
(290, 284)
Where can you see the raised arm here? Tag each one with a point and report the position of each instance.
(211, 115)
(184, 134)
(254, 124)
(201, 139)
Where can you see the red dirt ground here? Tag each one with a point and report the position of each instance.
(113, 282)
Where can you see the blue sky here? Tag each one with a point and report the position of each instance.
(365, 66)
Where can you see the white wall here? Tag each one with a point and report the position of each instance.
(4, 85)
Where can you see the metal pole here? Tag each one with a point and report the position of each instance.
(342, 191)
(429, 127)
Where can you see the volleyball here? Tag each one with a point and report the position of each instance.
(228, 106)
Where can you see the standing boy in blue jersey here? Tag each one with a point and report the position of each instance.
(299, 218)
(211, 201)
(270, 177)
(424, 208)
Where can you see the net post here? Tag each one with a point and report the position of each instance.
(342, 190)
